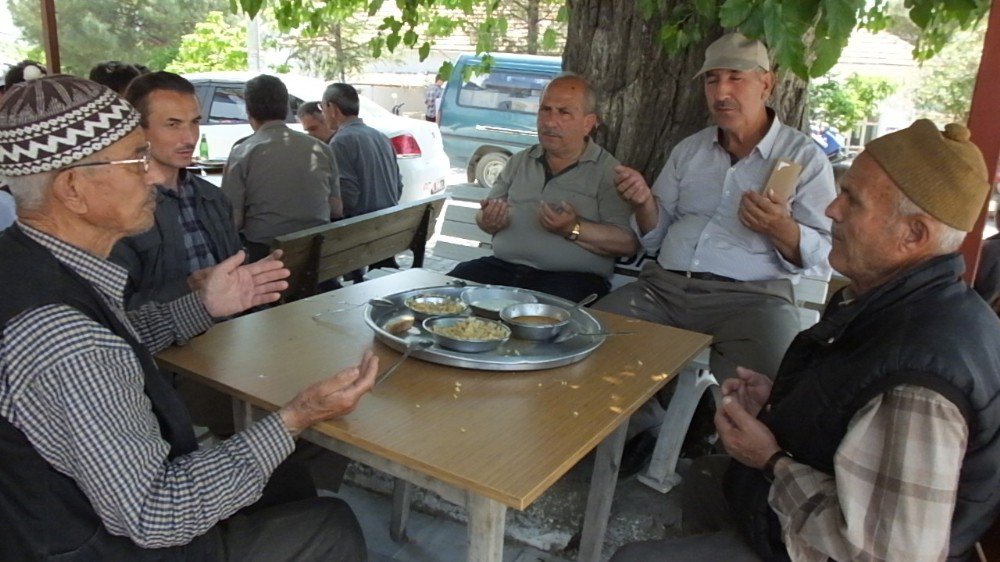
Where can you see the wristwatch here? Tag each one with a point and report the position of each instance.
(772, 462)
(575, 233)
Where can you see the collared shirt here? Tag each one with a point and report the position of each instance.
(280, 181)
(75, 390)
(369, 173)
(894, 486)
(199, 253)
(588, 185)
(699, 192)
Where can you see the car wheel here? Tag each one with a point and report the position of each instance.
(488, 168)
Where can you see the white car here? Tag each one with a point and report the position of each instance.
(419, 152)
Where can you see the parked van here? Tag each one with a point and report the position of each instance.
(490, 116)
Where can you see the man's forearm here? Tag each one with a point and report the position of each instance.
(647, 216)
(786, 241)
(607, 239)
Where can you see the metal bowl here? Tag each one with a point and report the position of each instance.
(537, 331)
(429, 305)
(488, 301)
(466, 345)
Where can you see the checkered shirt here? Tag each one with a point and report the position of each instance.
(199, 253)
(894, 486)
(75, 390)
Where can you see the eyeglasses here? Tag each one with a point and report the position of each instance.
(144, 160)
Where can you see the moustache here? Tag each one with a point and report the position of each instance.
(187, 147)
(550, 133)
(724, 105)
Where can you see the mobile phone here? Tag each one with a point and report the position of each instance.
(784, 178)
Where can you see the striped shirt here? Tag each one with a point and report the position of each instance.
(76, 391)
(894, 486)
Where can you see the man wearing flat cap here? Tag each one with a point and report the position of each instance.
(879, 438)
(98, 460)
(728, 249)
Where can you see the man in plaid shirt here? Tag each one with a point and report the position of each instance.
(879, 438)
(98, 460)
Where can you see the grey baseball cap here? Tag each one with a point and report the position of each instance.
(735, 51)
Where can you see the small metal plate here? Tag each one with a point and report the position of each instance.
(513, 355)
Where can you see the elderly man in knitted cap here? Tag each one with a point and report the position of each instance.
(879, 439)
(97, 456)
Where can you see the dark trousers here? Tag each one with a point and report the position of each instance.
(289, 523)
(570, 285)
(709, 529)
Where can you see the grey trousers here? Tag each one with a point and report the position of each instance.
(289, 523)
(751, 322)
(708, 528)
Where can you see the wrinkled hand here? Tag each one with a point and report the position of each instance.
(331, 397)
(229, 288)
(495, 215)
(632, 186)
(746, 439)
(766, 215)
(558, 218)
(750, 388)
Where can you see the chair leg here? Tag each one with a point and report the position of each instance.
(661, 475)
(401, 496)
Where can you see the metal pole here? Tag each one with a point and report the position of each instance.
(984, 124)
(253, 45)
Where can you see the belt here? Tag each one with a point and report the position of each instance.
(702, 276)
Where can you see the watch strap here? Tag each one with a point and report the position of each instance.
(772, 462)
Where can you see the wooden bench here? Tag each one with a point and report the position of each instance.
(326, 252)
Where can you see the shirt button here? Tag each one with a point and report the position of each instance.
(695, 262)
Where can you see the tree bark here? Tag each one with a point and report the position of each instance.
(532, 22)
(648, 101)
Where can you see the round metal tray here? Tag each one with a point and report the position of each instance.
(513, 355)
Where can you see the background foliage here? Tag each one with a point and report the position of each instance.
(215, 44)
(847, 103)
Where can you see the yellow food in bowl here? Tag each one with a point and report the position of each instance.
(436, 305)
(472, 329)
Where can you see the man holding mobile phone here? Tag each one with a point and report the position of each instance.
(730, 243)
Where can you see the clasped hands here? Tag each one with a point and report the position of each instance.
(558, 218)
(745, 438)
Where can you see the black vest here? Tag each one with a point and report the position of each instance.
(43, 513)
(925, 328)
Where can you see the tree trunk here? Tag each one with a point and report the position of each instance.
(532, 23)
(648, 100)
(338, 50)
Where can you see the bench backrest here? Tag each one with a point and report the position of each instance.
(324, 252)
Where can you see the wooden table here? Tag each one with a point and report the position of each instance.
(485, 440)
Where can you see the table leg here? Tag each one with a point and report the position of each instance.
(402, 492)
(486, 528)
(242, 414)
(601, 494)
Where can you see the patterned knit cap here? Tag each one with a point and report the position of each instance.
(943, 172)
(51, 122)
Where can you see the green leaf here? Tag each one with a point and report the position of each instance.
(410, 38)
(733, 13)
(392, 41)
(563, 15)
(827, 52)
(376, 45)
(549, 39)
(424, 51)
(841, 17)
(251, 7)
(920, 14)
(374, 6)
(705, 8)
(446, 69)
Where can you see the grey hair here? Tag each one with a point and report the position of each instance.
(29, 191)
(946, 238)
(589, 95)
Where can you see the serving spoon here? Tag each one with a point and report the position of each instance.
(410, 348)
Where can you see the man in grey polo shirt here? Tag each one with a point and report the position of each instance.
(729, 253)
(279, 180)
(557, 222)
(369, 173)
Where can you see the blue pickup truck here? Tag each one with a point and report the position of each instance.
(487, 117)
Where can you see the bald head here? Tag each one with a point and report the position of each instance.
(575, 83)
